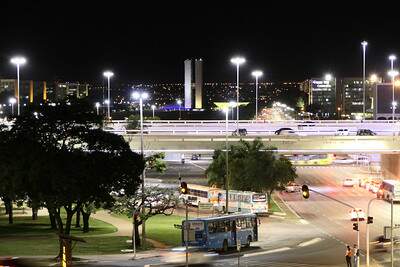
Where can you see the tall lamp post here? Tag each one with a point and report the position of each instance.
(153, 107)
(142, 96)
(393, 73)
(231, 104)
(179, 102)
(108, 75)
(392, 58)
(18, 61)
(256, 74)
(364, 46)
(97, 105)
(237, 61)
(12, 101)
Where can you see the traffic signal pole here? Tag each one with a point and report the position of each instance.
(344, 204)
(367, 245)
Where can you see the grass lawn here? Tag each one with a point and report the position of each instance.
(161, 228)
(27, 237)
(273, 207)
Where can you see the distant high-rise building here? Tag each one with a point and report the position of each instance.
(75, 90)
(321, 96)
(383, 98)
(188, 83)
(198, 83)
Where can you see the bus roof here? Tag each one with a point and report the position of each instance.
(392, 182)
(201, 187)
(237, 215)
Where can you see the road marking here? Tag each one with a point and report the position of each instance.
(287, 205)
(302, 221)
(310, 242)
(266, 252)
(198, 166)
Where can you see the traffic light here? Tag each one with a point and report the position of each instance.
(370, 220)
(184, 188)
(306, 191)
(355, 226)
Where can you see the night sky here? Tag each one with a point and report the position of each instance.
(148, 43)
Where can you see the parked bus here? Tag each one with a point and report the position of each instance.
(222, 232)
(389, 190)
(239, 201)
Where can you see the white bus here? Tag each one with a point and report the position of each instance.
(239, 201)
(389, 190)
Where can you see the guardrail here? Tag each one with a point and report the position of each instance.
(260, 122)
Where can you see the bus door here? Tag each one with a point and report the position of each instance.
(233, 232)
(255, 229)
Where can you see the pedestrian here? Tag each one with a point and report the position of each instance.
(349, 253)
(356, 253)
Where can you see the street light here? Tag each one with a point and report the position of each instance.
(12, 101)
(393, 73)
(256, 74)
(237, 61)
(226, 183)
(18, 61)
(141, 96)
(232, 104)
(97, 105)
(328, 77)
(108, 75)
(153, 107)
(179, 102)
(364, 45)
(373, 78)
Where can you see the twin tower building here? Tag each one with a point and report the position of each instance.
(198, 84)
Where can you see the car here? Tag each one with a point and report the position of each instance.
(195, 157)
(365, 132)
(374, 187)
(285, 131)
(353, 214)
(240, 132)
(292, 187)
(349, 182)
(342, 132)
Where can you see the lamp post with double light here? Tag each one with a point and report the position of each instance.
(18, 61)
(364, 46)
(108, 75)
(142, 96)
(256, 74)
(237, 61)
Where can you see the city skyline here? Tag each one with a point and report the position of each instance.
(152, 48)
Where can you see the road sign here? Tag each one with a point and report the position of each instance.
(205, 206)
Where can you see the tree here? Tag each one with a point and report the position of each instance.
(300, 104)
(156, 201)
(75, 164)
(252, 167)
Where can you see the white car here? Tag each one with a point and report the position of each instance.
(350, 182)
(292, 187)
(353, 214)
(342, 132)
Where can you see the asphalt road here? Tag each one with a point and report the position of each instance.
(333, 218)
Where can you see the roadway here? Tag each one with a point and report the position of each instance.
(333, 218)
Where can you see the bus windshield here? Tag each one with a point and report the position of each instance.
(259, 198)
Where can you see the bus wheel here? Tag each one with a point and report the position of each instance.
(248, 241)
(225, 246)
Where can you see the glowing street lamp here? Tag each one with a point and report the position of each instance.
(108, 75)
(97, 105)
(328, 77)
(364, 46)
(373, 78)
(12, 101)
(153, 107)
(237, 61)
(18, 61)
(179, 102)
(141, 96)
(257, 74)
